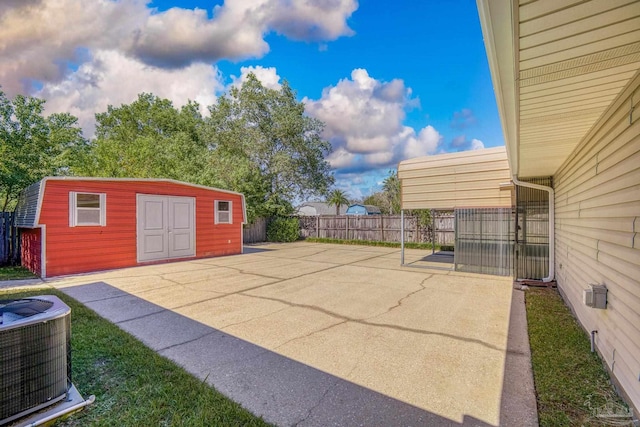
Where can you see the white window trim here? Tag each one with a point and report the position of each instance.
(73, 210)
(215, 212)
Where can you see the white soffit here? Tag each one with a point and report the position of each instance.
(572, 59)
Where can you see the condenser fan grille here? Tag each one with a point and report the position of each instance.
(14, 310)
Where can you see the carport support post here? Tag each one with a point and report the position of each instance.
(402, 237)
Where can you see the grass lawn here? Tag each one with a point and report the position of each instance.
(571, 382)
(15, 273)
(133, 385)
(408, 245)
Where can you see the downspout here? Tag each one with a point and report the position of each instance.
(402, 237)
(552, 228)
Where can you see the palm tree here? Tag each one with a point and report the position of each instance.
(337, 198)
(391, 189)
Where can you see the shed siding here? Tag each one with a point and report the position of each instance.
(598, 234)
(89, 248)
(31, 249)
(466, 179)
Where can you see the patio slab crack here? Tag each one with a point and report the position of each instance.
(188, 341)
(222, 328)
(402, 300)
(381, 325)
(310, 334)
(331, 387)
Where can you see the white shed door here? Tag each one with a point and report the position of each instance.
(166, 227)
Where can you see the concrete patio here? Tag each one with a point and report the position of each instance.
(317, 334)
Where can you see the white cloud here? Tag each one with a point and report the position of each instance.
(364, 122)
(362, 114)
(310, 20)
(341, 158)
(111, 78)
(179, 36)
(425, 143)
(476, 144)
(461, 143)
(357, 180)
(268, 76)
(41, 40)
(359, 185)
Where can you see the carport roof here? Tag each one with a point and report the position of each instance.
(476, 178)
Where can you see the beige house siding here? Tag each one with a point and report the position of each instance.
(598, 234)
(447, 181)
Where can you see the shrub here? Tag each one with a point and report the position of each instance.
(283, 230)
(408, 245)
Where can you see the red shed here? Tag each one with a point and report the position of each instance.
(74, 225)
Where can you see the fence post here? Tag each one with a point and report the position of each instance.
(4, 249)
(382, 228)
(346, 217)
(9, 239)
(317, 225)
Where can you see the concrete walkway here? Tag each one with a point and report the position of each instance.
(315, 335)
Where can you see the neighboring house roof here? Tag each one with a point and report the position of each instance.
(319, 208)
(358, 209)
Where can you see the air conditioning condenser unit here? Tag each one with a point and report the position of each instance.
(35, 355)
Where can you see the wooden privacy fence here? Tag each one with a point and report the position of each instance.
(444, 225)
(381, 228)
(256, 232)
(9, 242)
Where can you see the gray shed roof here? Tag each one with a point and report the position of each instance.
(319, 208)
(28, 206)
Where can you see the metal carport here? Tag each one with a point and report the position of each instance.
(470, 179)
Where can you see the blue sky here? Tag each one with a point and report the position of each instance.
(390, 81)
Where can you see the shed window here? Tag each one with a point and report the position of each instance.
(223, 212)
(87, 209)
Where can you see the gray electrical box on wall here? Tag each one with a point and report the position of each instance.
(595, 296)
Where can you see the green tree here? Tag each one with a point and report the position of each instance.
(389, 202)
(149, 138)
(33, 146)
(280, 148)
(388, 199)
(257, 141)
(337, 198)
(238, 174)
(377, 199)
